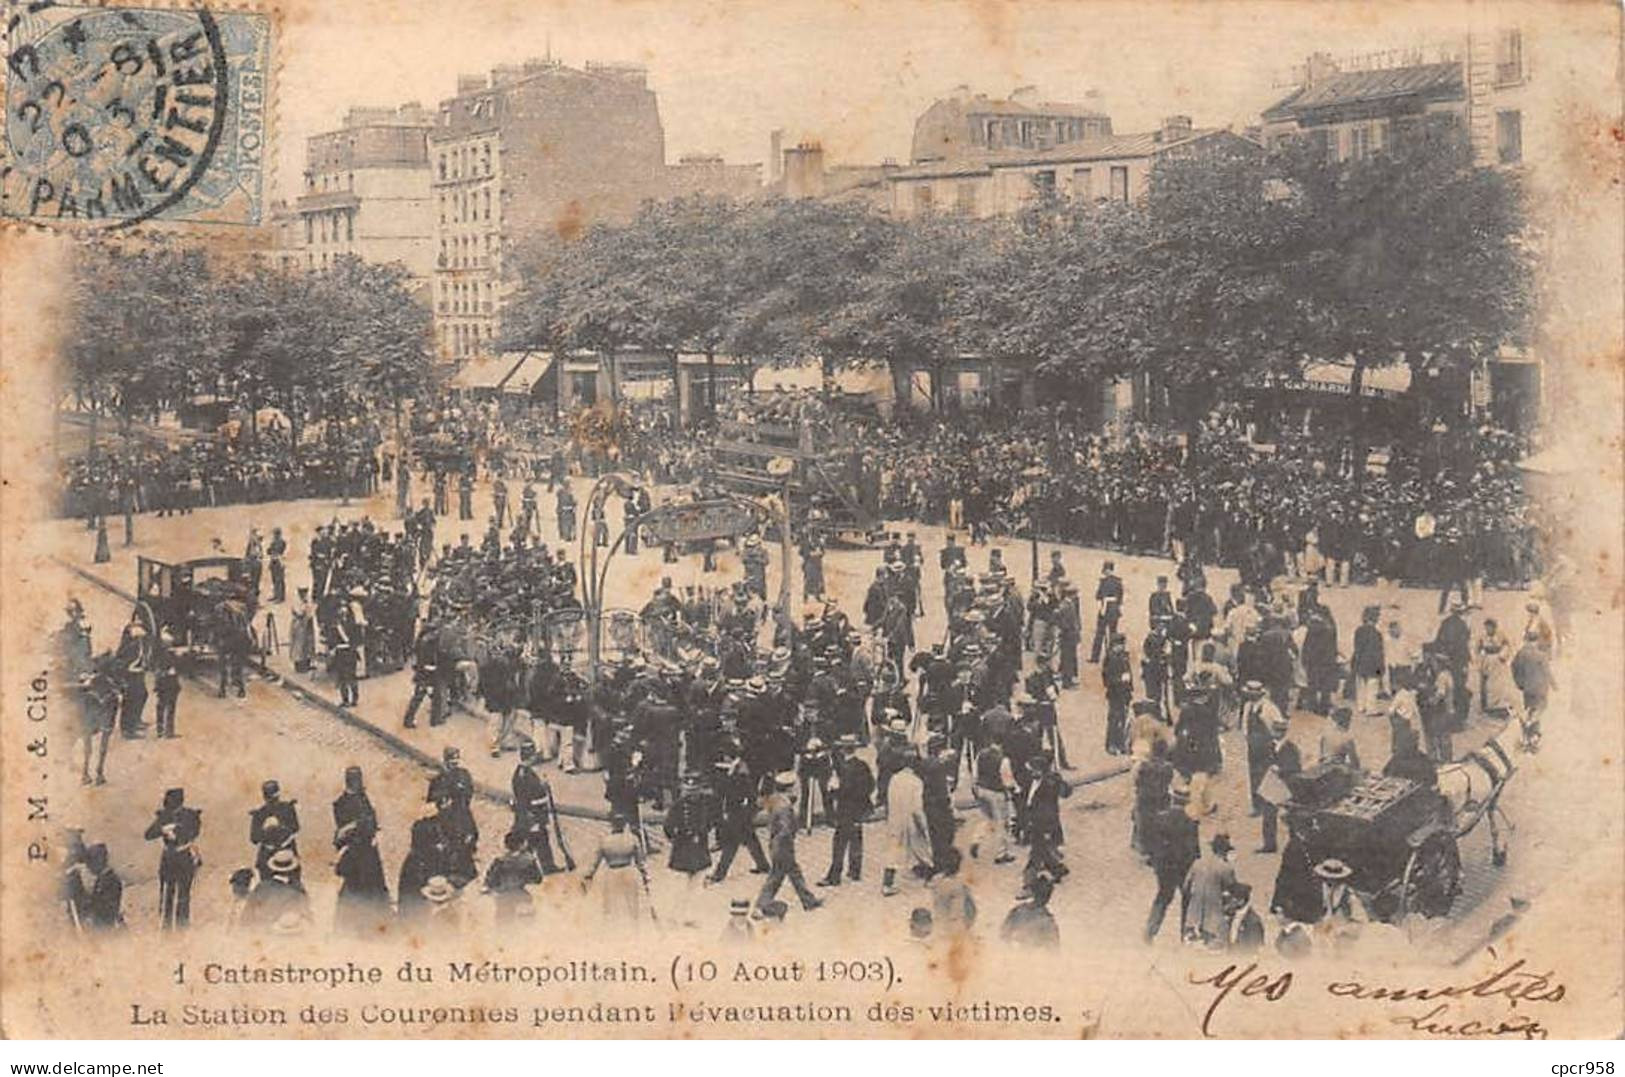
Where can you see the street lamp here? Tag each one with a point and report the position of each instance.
(592, 579)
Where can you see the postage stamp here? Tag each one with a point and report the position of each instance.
(119, 115)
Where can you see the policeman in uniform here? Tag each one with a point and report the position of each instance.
(465, 494)
(534, 811)
(177, 826)
(1108, 608)
(345, 656)
(277, 552)
(426, 677)
(272, 828)
(499, 502)
(564, 507)
(166, 679)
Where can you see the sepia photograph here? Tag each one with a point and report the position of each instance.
(974, 519)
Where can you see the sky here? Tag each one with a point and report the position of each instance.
(852, 74)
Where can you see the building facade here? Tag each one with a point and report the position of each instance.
(534, 152)
(366, 192)
(1480, 80)
(965, 125)
(1354, 107)
(1114, 168)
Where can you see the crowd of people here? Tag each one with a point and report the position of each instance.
(1441, 510)
(720, 716)
(715, 714)
(170, 479)
(1425, 515)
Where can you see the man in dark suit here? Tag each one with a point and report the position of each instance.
(1282, 755)
(1044, 831)
(736, 789)
(134, 659)
(1454, 642)
(853, 799)
(1173, 849)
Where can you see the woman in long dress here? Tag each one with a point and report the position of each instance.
(1498, 692)
(302, 634)
(619, 889)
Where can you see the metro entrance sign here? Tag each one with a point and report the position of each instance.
(698, 521)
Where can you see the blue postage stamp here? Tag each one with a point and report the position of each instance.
(119, 115)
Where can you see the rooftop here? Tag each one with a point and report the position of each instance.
(1110, 148)
(1353, 87)
(981, 104)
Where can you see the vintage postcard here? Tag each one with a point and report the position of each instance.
(708, 519)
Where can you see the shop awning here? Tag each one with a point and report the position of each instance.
(1383, 381)
(484, 371)
(529, 370)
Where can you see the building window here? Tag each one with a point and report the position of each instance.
(1359, 142)
(1509, 137)
(310, 231)
(1044, 183)
(1083, 183)
(442, 166)
(349, 227)
(990, 133)
(922, 198)
(965, 197)
(1334, 146)
(1119, 183)
(488, 203)
(1509, 57)
(1026, 132)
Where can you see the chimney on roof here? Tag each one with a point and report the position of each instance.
(1319, 67)
(1175, 128)
(804, 171)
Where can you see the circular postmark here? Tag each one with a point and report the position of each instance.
(112, 115)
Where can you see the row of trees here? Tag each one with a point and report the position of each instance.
(156, 324)
(1238, 266)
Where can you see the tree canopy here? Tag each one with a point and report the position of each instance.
(157, 323)
(1238, 266)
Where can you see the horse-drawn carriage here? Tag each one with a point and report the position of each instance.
(1402, 838)
(198, 602)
